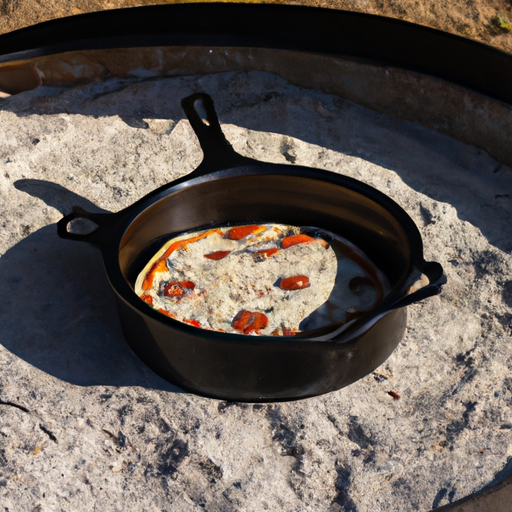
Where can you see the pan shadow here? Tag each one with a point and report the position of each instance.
(56, 196)
(57, 309)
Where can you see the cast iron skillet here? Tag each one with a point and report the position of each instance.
(228, 188)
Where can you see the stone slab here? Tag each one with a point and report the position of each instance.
(84, 425)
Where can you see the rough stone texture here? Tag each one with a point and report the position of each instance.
(85, 426)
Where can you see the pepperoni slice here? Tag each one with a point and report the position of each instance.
(178, 288)
(240, 232)
(249, 321)
(294, 283)
(147, 298)
(217, 255)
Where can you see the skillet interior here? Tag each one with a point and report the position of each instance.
(287, 199)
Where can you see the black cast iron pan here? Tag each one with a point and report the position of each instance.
(228, 188)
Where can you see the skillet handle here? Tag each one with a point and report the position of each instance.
(432, 270)
(218, 152)
(436, 278)
(94, 237)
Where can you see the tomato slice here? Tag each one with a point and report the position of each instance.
(289, 241)
(159, 266)
(217, 255)
(240, 232)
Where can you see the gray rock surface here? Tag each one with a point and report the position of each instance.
(84, 425)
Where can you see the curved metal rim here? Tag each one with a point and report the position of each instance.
(307, 29)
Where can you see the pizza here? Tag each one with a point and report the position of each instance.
(261, 279)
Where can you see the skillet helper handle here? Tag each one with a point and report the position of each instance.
(434, 273)
(94, 236)
(218, 152)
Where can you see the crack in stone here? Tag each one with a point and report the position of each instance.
(442, 494)
(11, 404)
(50, 434)
(468, 361)
(288, 437)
